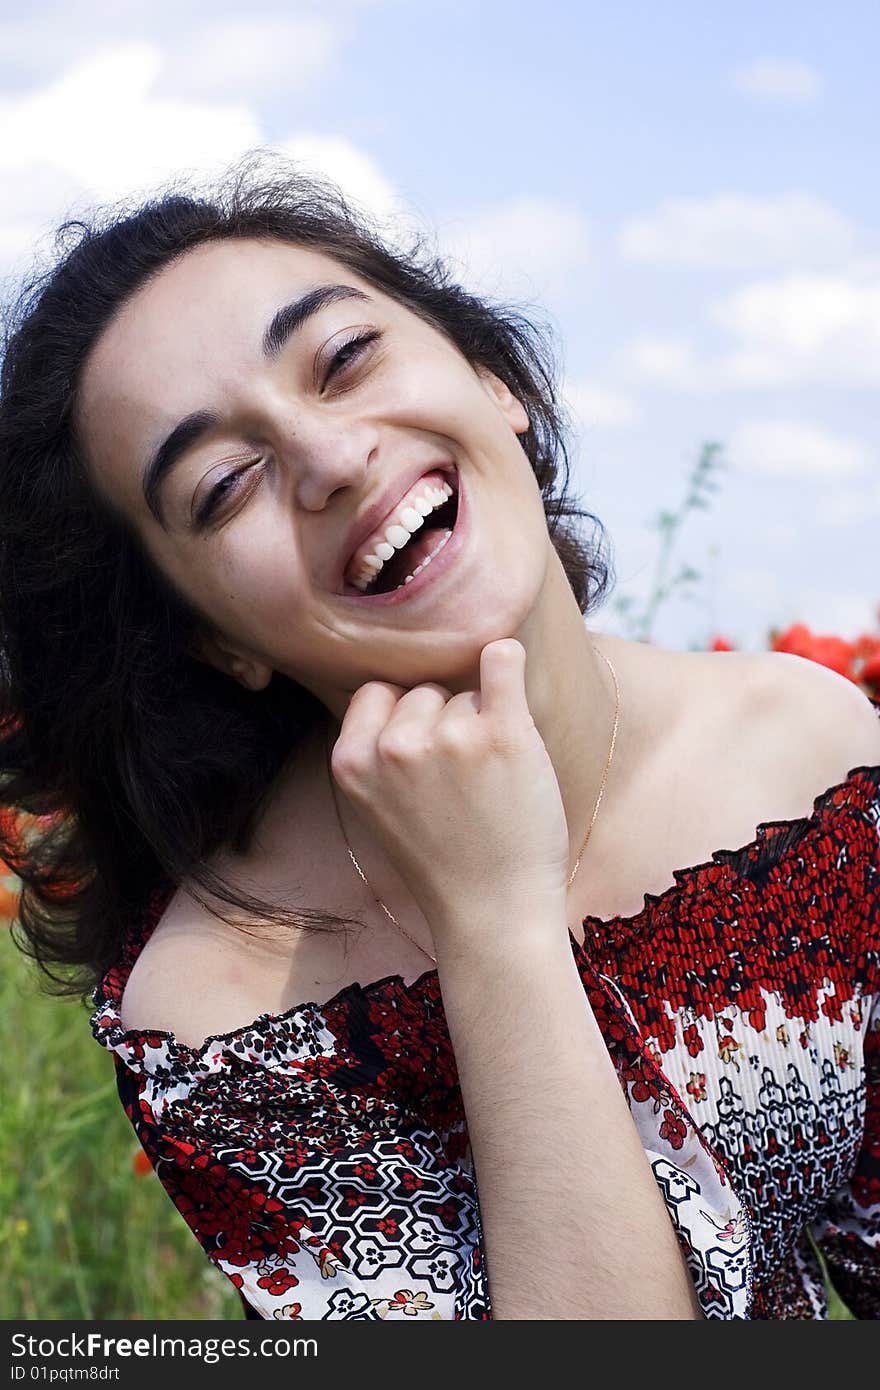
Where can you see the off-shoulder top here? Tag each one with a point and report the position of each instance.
(321, 1156)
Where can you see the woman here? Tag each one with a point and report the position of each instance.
(223, 418)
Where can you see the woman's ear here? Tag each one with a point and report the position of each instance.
(510, 405)
(246, 670)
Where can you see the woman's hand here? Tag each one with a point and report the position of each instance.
(460, 792)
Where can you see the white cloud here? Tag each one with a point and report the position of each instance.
(357, 174)
(839, 612)
(851, 506)
(791, 449)
(778, 534)
(775, 79)
(59, 152)
(38, 200)
(600, 407)
(757, 585)
(804, 328)
(101, 127)
(664, 362)
(255, 55)
(733, 231)
(529, 244)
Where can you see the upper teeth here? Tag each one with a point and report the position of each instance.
(398, 529)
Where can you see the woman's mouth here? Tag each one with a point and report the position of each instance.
(404, 576)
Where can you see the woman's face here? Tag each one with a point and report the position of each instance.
(301, 449)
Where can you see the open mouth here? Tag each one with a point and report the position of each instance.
(405, 565)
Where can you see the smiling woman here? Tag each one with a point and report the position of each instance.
(121, 719)
(287, 565)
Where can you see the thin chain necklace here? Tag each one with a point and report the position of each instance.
(379, 901)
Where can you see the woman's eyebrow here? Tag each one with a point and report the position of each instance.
(286, 321)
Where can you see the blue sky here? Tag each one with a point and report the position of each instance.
(686, 193)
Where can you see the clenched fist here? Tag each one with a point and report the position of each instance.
(460, 792)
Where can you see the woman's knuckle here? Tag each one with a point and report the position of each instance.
(397, 746)
(348, 762)
(454, 739)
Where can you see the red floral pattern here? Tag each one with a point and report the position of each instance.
(324, 1151)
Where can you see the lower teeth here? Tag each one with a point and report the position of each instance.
(427, 560)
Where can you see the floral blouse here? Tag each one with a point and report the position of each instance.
(321, 1156)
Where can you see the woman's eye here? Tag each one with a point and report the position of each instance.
(349, 352)
(343, 357)
(227, 485)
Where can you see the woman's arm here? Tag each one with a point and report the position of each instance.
(574, 1224)
(463, 797)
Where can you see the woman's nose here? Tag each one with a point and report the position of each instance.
(323, 460)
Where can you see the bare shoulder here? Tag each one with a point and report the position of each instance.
(821, 719)
(789, 726)
(193, 980)
(817, 697)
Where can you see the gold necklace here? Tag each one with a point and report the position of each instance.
(379, 901)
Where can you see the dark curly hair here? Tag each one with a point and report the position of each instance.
(124, 759)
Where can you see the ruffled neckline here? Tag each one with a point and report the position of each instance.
(411, 997)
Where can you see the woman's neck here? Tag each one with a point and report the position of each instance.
(571, 694)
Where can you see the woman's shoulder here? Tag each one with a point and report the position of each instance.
(824, 718)
(196, 977)
(182, 982)
(813, 741)
(805, 731)
(790, 804)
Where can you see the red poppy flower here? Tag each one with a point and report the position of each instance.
(141, 1164)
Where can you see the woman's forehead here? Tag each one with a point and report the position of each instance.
(184, 309)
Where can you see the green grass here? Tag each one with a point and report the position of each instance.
(81, 1235)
